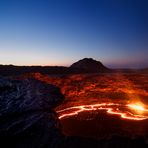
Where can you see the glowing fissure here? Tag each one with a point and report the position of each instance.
(111, 108)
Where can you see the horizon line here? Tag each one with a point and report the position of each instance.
(15, 65)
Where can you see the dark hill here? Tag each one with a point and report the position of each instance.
(90, 65)
(82, 66)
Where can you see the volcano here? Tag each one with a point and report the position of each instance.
(90, 65)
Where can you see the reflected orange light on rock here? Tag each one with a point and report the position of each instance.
(80, 89)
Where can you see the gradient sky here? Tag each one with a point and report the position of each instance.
(60, 32)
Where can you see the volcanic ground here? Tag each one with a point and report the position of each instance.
(100, 105)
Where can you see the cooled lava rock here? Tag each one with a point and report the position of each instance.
(27, 119)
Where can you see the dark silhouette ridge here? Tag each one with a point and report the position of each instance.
(84, 66)
(90, 64)
(11, 70)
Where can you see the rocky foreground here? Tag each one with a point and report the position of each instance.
(28, 119)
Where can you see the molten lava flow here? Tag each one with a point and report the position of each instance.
(124, 111)
(137, 107)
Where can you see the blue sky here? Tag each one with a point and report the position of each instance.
(60, 32)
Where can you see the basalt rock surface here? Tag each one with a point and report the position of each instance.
(27, 118)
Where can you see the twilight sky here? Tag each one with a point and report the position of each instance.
(60, 32)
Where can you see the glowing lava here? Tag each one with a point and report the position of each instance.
(137, 107)
(124, 111)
